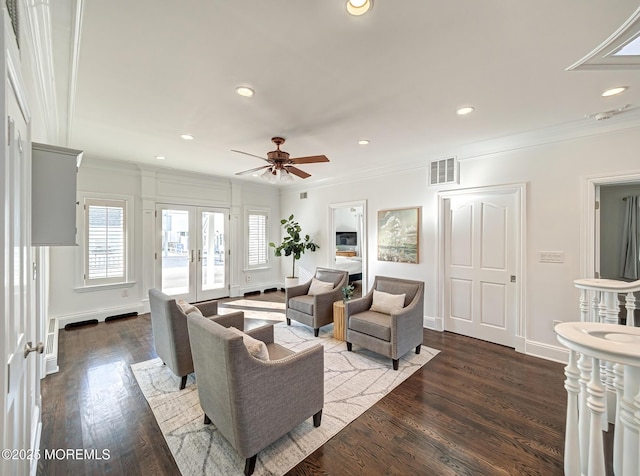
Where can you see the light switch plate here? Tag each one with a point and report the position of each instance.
(551, 257)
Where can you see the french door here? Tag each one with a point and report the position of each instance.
(192, 252)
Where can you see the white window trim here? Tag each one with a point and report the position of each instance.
(128, 280)
(257, 211)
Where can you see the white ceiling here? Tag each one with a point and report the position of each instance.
(149, 70)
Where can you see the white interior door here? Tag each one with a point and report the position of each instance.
(481, 266)
(20, 373)
(192, 252)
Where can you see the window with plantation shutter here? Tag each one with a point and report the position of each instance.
(257, 242)
(105, 241)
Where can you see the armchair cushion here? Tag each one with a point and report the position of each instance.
(302, 303)
(319, 287)
(387, 303)
(187, 308)
(256, 347)
(371, 323)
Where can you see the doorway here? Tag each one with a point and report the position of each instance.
(192, 252)
(481, 263)
(593, 213)
(348, 242)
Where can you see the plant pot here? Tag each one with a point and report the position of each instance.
(289, 282)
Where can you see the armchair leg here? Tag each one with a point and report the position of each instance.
(349, 346)
(395, 363)
(288, 321)
(207, 420)
(418, 349)
(183, 382)
(317, 418)
(316, 332)
(250, 465)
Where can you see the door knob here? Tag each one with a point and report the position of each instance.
(29, 347)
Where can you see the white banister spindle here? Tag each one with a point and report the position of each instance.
(630, 420)
(596, 304)
(630, 305)
(595, 403)
(584, 305)
(610, 309)
(584, 423)
(618, 440)
(571, 439)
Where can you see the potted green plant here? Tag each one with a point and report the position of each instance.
(347, 292)
(294, 244)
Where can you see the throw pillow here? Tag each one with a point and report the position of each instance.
(319, 287)
(187, 308)
(387, 303)
(256, 347)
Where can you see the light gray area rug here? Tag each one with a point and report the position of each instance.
(354, 381)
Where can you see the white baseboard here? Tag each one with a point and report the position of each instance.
(546, 351)
(257, 287)
(100, 314)
(433, 323)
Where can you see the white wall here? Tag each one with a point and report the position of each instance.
(554, 174)
(145, 187)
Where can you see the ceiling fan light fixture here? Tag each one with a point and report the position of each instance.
(614, 91)
(245, 91)
(359, 7)
(285, 177)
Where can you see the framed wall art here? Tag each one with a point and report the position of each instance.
(399, 235)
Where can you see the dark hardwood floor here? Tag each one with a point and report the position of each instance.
(476, 409)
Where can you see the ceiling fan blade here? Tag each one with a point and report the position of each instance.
(297, 171)
(310, 159)
(250, 171)
(247, 153)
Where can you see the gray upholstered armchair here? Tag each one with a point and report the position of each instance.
(391, 333)
(254, 402)
(315, 310)
(171, 335)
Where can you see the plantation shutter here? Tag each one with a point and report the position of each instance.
(105, 240)
(257, 239)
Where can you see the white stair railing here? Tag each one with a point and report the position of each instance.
(602, 379)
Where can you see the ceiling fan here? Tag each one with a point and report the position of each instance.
(280, 164)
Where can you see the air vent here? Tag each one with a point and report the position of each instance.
(443, 171)
(12, 8)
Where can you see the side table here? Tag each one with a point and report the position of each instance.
(339, 329)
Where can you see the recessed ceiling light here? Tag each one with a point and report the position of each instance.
(160, 157)
(187, 136)
(463, 111)
(363, 142)
(614, 91)
(245, 91)
(359, 7)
